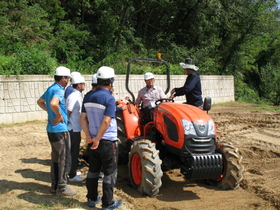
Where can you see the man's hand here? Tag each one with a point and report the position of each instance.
(95, 143)
(122, 106)
(172, 96)
(58, 118)
(88, 139)
(172, 93)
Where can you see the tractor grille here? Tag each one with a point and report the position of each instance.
(201, 145)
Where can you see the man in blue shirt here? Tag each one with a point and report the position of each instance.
(53, 102)
(100, 127)
(192, 86)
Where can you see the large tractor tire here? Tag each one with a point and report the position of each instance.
(123, 143)
(232, 168)
(145, 167)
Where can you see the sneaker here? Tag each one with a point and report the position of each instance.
(92, 203)
(116, 204)
(66, 191)
(77, 179)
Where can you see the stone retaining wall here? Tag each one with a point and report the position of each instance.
(19, 94)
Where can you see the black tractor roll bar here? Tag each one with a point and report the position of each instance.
(151, 60)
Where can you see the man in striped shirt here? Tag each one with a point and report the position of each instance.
(99, 124)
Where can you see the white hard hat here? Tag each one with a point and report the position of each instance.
(105, 72)
(62, 71)
(148, 75)
(78, 79)
(75, 73)
(94, 79)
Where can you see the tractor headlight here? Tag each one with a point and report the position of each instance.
(188, 127)
(211, 127)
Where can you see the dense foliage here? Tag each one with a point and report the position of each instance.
(225, 37)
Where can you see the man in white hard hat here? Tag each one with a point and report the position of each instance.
(93, 83)
(192, 86)
(70, 88)
(53, 102)
(98, 120)
(74, 106)
(148, 95)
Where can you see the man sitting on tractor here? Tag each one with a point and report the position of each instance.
(147, 97)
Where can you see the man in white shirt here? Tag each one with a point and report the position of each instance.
(73, 106)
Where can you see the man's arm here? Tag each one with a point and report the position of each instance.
(102, 129)
(138, 99)
(55, 108)
(70, 103)
(84, 125)
(42, 104)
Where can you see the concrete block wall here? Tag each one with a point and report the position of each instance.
(19, 94)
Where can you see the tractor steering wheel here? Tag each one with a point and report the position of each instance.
(159, 101)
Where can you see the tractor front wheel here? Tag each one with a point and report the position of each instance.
(232, 168)
(123, 143)
(145, 167)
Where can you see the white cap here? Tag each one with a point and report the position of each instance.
(78, 79)
(94, 79)
(105, 72)
(148, 75)
(62, 71)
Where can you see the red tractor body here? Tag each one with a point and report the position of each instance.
(179, 136)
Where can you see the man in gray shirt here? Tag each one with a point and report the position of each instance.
(147, 97)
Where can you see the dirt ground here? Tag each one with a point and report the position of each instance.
(25, 158)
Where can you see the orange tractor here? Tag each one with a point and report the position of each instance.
(179, 136)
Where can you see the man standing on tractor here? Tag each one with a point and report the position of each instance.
(99, 124)
(192, 86)
(53, 102)
(148, 96)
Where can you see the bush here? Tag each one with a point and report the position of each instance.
(28, 60)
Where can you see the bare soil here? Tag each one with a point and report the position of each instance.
(25, 179)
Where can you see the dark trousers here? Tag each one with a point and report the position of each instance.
(105, 158)
(60, 158)
(75, 148)
(146, 115)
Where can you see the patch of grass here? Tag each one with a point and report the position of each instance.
(23, 123)
(250, 107)
(62, 204)
(232, 103)
(264, 108)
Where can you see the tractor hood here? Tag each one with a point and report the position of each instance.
(184, 111)
(179, 122)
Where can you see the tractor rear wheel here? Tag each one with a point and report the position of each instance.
(233, 169)
(123, 143)
(145, 167)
